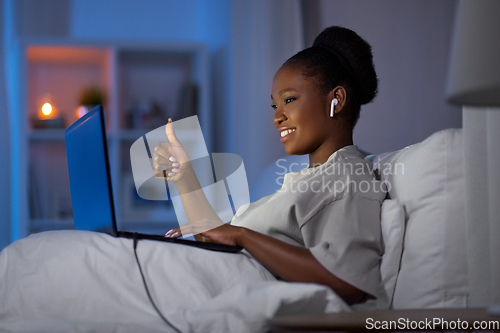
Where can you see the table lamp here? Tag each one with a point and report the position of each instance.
(474, 73)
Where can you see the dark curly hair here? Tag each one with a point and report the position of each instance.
(339, 56)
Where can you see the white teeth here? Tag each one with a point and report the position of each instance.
(285, 132)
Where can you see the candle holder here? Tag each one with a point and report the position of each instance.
(48, 116)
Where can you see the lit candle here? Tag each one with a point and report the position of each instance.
(47, 108)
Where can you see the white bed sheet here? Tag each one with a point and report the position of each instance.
(77, 281)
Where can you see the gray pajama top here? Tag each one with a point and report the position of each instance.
(334, 211)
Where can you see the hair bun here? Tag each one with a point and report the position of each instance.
(357, 53)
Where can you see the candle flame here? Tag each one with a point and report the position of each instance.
(47, 109)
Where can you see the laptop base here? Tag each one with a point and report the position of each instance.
(202, 245)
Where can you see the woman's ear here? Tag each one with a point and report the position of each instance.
(339, 94)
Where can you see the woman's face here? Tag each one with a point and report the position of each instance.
(300, 108)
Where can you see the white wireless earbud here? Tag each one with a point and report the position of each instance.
(332, 107)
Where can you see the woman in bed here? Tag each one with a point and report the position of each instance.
(323, 226)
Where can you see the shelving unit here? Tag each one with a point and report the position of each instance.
(172, 76)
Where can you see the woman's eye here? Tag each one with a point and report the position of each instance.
(274, 106)
(289, 100)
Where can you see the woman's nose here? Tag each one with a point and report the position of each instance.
(279, 117)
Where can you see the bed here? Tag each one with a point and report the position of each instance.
(75, 281)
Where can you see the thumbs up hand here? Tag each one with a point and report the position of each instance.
(170, 160)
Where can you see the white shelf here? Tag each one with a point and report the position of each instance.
(46, 134)
(128, 71)
(130, 135)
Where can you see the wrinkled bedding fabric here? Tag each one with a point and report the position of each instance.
(78, 281)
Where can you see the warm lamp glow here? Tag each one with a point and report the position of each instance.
(47, 109)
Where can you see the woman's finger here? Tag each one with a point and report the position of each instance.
(173, 233)
(184, 229)
(163, 168)
(161, 149)
(163, 164)
(199, 227)
(164, 173)
(169, 130)
(160, 159)
(160, 167)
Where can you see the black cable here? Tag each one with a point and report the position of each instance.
(136, 241)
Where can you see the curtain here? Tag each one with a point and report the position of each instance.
(481, 128)
(265, 34)
(4, 145)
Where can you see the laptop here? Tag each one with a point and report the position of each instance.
(90, 183)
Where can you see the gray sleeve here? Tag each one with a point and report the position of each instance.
(345, 237)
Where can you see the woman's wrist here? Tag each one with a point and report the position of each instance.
(242, 236)
(189, 182)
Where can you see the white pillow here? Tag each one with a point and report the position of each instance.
(428, 179)
(393, 230)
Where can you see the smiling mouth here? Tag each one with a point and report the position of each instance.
(285, 135)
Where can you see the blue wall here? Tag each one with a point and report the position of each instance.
(208, 22)
(397, 30)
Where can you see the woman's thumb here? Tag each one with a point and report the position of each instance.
(169, 130)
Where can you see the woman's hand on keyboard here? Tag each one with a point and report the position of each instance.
(208, 230)
(170, 160)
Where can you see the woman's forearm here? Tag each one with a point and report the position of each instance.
(291, 263)
(194, 201)
(294, 264)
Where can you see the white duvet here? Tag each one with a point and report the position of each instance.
(77, 281)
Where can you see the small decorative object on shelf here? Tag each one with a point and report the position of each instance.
(146, 114)
(89, 98)
(188, 100)
(48, 115)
